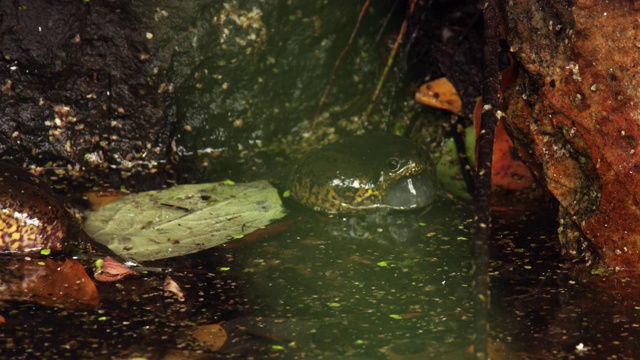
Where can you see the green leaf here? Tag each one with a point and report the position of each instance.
(448, 168)
(183, 219)
(395, 316)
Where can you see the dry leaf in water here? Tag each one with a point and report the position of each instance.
(172, 288)
(49, 282)
(112, 270)
(211, 336)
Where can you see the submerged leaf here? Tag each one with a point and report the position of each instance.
(171, 287)
(49, 282)
(210, 336)
(183, 219)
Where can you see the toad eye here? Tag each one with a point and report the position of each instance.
(393, 164)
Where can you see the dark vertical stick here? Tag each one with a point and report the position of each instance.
(483, 178)
(390, 61)
(337, 64)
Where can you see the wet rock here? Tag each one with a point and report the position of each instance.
(116, 92)
(81, 90)
(574, 113)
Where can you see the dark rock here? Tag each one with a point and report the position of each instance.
(81, 91)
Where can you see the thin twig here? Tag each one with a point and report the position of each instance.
(390, 61)
(490, 92)
(337, 64)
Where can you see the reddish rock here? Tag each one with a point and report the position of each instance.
(574, 113)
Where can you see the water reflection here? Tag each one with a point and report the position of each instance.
(365, 286)
(546, 307)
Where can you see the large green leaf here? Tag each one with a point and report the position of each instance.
(183, 219)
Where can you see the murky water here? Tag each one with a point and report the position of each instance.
(361, 287)
(544, 307)
(398, 288)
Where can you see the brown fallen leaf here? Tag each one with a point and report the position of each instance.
(49, 282)
(210, 336)
(171, 287)
(112, 270)
(67, 285)
(98, 199)
(440, 93)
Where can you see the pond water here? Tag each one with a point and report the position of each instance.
(365, 288)
(396, 287)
